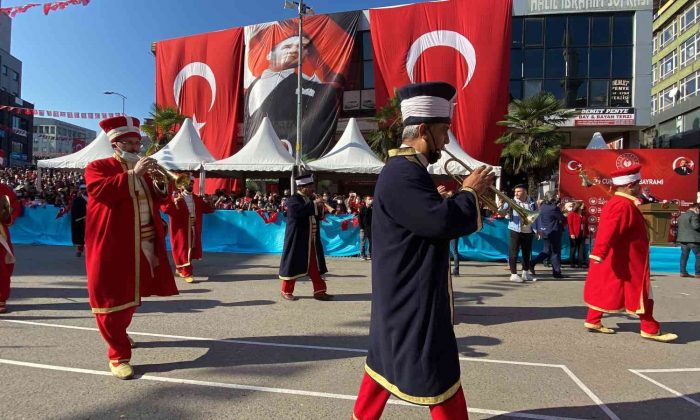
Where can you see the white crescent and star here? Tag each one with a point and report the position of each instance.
(573, 165)
(200, 69)
(442, 39)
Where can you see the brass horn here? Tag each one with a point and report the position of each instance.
(528, 217)
(180, 180)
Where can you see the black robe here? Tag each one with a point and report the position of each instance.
(78, 210)
(320, 112)
(302, 217)
(413, 351)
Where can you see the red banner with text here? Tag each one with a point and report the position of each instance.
(463, 42)
(667, 175)
(200, 75)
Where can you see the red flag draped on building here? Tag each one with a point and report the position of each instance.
(463, 42)
(201, 76)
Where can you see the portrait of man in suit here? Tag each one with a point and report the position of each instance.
(272, 62)
(683, 168)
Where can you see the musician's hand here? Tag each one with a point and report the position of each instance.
(144, 165)
(443, 191)
(480, 179)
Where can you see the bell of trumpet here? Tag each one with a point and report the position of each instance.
(167, 176)
(528, 217)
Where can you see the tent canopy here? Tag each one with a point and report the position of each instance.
(185, 152)
(264, 152)
(438, 168)
(99, 148)
(351, 154)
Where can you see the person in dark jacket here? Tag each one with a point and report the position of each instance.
(302, 254)
(365, 219)
(78, 211)
(413, 352)
(689, 238)
(550, 226)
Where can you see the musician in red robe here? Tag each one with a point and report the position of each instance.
(185, 211)
(10, 209)
(618, 276)
(125, 250)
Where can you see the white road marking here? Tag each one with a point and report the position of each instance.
(566, 370)
(287, 391)
(662, 386)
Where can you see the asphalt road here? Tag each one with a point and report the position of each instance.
(229, 347)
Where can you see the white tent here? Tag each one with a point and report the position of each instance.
(99, 148)
(264, 152)
(185, 152)
(350, 155)
(438, 168)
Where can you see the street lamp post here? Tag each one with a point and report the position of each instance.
(109, 92)
(302, 10)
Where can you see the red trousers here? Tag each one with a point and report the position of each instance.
(113, 327)
(315, 276)
(647, 322)
(372, 398)
(186, 271)
(5, 276)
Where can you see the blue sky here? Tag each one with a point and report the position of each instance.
(71, 56)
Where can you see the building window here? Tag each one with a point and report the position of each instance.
(15, 75)
(534, 30)
(653, 104)
(653, 74)
(690, 86)
(666, 98)
(667, 65)
(623, 28)
(668, 34)
(600, 30)
(577, 31)
(600, 62)
(689, 17)
(4, 70)
(621, 62)
(598, 95)
(689, 49)
(555, 32)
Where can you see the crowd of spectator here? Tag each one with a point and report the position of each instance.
(59, 187)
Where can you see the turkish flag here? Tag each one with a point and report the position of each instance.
(201, 76)
(463, 42)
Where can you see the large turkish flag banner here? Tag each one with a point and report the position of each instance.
(201, 76)
(463, 42)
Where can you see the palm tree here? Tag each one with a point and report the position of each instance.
(532, 143)
(390, 128)
(162, 125)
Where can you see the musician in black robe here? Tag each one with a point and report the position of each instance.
(78, 211)
(302, 254)
(413, 351)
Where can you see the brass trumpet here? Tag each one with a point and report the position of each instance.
(528, 217)
(166, 175)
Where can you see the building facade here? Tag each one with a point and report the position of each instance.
(16, 131)
(54, 138)
(675, 101)
(593, 55)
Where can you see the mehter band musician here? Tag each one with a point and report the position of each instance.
(10, 209)
(185, 210)
(302, 254)
(124, 238)
(618, 276)
(413, 351)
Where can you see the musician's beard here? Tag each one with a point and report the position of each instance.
(434, 156)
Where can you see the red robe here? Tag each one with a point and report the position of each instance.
(186, 232)
(620, 280)
(7, 257)
(117, 270)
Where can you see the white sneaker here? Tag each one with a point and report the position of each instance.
(516, 278)
(527, 276)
